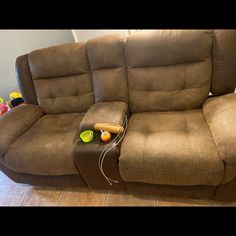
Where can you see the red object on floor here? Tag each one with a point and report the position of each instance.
(3, 109)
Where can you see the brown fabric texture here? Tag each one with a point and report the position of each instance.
(15, 123)
(110, 85)
(167, 47)
(61, 77)
(226, 192)
(106, 51)
(107, 61)
(173, 148)
(171, 88)
(197, 192)
(47, 147)
(220, 113)
(24, 80)
(104, 112)
(45, 180)
(165, 71)
(59, 61)
(230, 173)
(86, 157)
(63, 95)
(224, 61)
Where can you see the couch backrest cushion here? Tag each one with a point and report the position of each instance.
(155, 70)
(107, 61)
(168, 69)
(62, 79)
(224, 62)
(24, 80)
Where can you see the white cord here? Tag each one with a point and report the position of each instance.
(101, 164)
(108, 146)
(107, 149)
(101, 168)
(104, 155)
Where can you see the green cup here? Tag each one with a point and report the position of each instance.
(86, 136)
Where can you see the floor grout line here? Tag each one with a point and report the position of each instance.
(21, 200)
(156, 201)
(106, 198)
(62, 195)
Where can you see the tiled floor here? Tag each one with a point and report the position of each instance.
(13, 194)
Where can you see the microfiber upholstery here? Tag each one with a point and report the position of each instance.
(104, 112)
(178, 139)
(24, 80)
(165, 71)
(61, 77)
(173, 148)
(224, 61)
(107, 61)
(47, 147)
(16, 122)
(220, 113)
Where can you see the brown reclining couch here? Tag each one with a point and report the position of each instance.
(175, 88)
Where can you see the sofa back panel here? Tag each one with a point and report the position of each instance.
(178, 87)
(24, 80)
(103, 82)
(58, 61)
(62, 78)
(165, 71)
(108, 65)
(167, 47)
(224, 61)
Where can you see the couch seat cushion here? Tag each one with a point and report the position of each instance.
(47, 147)
(174, 148)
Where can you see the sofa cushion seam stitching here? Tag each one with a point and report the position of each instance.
(174, 172)
(216, 145)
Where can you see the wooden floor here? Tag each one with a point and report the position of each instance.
(12, 194)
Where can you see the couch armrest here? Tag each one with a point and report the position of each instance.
(104, 112)
(220, 113)
(15, 122)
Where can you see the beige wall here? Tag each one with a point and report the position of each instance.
(14, 43)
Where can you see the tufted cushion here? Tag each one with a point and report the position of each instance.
(174, 148)
(16, 122)
(220, 113)
(224, 60)
(61, 77)
(107, 60)
(47, 147)
(165, 71)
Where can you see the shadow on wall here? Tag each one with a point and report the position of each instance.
(14, 43)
